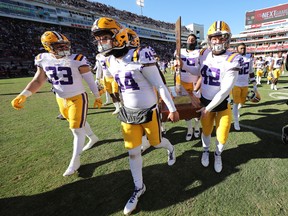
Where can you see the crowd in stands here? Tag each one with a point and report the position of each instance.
(21, 43)
(103, 9)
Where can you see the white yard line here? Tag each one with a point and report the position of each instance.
(261, 130)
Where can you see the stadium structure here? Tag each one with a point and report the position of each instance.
(266, 30)
(24, 21)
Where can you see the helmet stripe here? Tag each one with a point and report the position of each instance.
(218, 26)
(59, 36)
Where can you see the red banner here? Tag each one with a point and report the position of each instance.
(267, 15)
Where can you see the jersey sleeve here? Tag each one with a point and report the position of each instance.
(81, 60)
(146, 55)
(38, 59)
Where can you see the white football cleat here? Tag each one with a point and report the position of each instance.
(275, 87)
(171, 157)
(132, 202)
(72, 169)
(189, 135)
(218, 163)
(237, 126)
(92, 141)
(205, 159)
(196, 133)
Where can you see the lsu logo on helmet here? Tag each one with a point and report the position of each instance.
(253, 96)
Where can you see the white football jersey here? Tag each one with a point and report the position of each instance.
(102, 70)
(246, 73)
(190, 64)
(260, 64)
(136, 87)
(269, 60)
(214, 68)
(278, 62)
(63, 73)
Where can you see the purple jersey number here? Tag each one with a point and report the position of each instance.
(129, 82)
(244, 69)
(54, 72)
(210, 76)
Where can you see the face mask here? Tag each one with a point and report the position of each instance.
(191, 46)
(104, 47)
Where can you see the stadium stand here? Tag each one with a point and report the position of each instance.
(21, 38)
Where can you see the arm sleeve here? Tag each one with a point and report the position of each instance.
(251, 73)
(88, 77)
(98, 70)
(227, 84)
(151, 73)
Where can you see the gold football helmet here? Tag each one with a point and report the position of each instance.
(56, 43)
(106, 25)
(219, 28)
(253, 96)
(134, 40)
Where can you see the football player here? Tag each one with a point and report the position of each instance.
(219, 70)
(260, 65)
(136, 73)
(109, 82)
(268, 61)
(190, 59)
(240, 89)
(65, 71)
(278, 66)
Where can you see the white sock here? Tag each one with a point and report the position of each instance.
(206, 140)
(78, 144)
(189, 124)
(219, 148)
(235, 112)
(107, 97)
(135, 161)
(197, 124)
(165, 143)
(88, 130)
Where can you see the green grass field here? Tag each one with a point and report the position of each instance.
(36, 149)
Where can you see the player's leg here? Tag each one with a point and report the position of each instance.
(223, 123)
(153, 132)
(207, 128)
(189, 129)
(132, 138)
(93, 139)
(77, 111)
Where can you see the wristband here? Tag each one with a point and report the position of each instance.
(26, 93)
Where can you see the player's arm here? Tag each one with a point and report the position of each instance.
(99, 71)
(87, 75)
(150, 72)
(252, 76)
(227, 84)
(32, 87)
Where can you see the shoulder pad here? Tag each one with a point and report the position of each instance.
(107, 61)
(146, 55)
(78, 57)
(202, 51)
(135, 56)
(39, 57)
(232, 56)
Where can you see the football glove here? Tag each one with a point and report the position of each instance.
(98, 103)
(18, 102)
